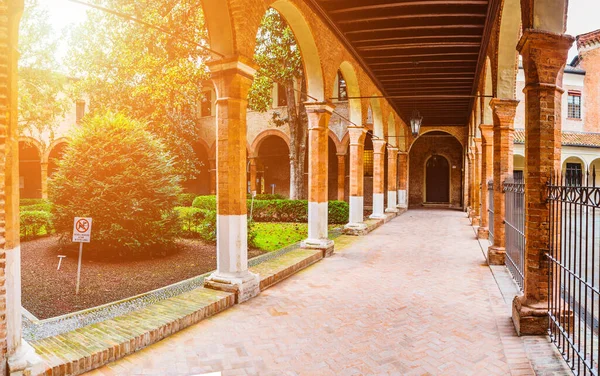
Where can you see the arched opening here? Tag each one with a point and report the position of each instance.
(573, 171)
(518, 167)
(55, 156)
(425, 171)
(332, 181)
(594, 172)
(273, 166)
(30, 170)
(199, 183)
(437, 180)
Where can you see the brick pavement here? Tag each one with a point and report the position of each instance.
(414, 297)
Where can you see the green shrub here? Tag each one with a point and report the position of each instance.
(191, 219)
(32, 201)
(118, 173)
(252, 233)
(205, 202)
(338, 212)
(35, 223)
(208, 227)
(265, 196)
(44, 206)
(185, 199)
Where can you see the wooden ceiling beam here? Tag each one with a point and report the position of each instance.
(399, 5)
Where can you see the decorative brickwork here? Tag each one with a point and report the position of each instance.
(544, 56)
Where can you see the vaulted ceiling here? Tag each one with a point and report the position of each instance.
(424, 54)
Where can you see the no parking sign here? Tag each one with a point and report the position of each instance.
(82, 229)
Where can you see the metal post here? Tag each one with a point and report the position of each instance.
(79, 268)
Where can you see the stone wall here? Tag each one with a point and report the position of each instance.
(423, 148)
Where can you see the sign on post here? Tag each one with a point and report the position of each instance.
(82, 233)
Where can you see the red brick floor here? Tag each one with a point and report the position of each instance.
(414, 297)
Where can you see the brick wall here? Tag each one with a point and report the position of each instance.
(422, 149)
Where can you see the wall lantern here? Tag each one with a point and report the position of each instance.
(415, 122)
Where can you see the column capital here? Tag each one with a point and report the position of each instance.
(379, 146)
(487, 132)
(341, 155)
(504, 111)
(392, 152)
(319, 107)
(319, 114)
(544, 57)
(357, 135)
(236, 63)
(232, 77)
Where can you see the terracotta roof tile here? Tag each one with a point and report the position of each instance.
(568, 138)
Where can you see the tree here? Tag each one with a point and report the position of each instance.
(146, 73)
(115, 171)
(278, 57)
(43, 92)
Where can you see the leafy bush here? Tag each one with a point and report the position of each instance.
(208, 227)
(265, 196)
(32, 201)
(44, 206)
(191, 219)
(118, 173)
(205, 202)
(338, 212)
(34, 223)
(185, 199)
(295, 211)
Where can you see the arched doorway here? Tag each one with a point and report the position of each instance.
(437, 180)
(273, 166)
(30, 170)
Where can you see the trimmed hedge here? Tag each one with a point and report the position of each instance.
(44, 206)
(35, 223)
(32, 201)
(268, 196)
(281, 210)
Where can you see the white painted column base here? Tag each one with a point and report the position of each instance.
(357, 210)
(232, 273)
(25, 361)
(402, 202)
(391, 208)
(378, 212)
(317, 229)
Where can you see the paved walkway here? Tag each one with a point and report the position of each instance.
(414, 297)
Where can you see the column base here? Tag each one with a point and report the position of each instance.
(529, 320)
(25, 361)
(377, 216)
(355, 229)
(483, 233)
(392, 210)
(245, 287)
(325, 245)
(475, 221)
(496, 255)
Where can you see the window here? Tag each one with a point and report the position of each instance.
(574, 174)
(342, 89)
(281, 96)
(518, 175)
(79, 111)
(206, 104)
(574, 105)
(368, 162)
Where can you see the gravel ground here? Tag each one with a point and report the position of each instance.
(48, 292)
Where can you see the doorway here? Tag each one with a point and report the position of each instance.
(437, 180)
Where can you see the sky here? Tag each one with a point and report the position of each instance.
(582, 17)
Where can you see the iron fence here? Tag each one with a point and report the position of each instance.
(514, 224)
(490, 187)
(574, 269)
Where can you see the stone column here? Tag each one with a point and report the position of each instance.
(356, 225)
(212, 164)
(253, 176)
(476, 215)
(544, 56)
(378, 179)
(341, 181)
(318, 123)
(392, 182)
(44, 180)
(232, 79)
(487, 149)
(402, 180)
(504, 111)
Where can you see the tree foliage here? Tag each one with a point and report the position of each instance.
(115, 171)
(143, 72)
(43, 92)
(279, 59)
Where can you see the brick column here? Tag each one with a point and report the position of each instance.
(470, 174)
(378, 179)
(476, 214)
(232, 79)
(252, 176)
(402, 180)
(356, 225)
(44, 181)
(392, 180)
(487, 151)
(504, 111)
(544, 56)
(212, 164)
(318, 123)
(341, 181)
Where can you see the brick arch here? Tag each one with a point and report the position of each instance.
(456, 133)
(35, 143)
(507, 57)
(353, 87)
(55, 143)
(376, 108)
(253, 149)
(336, 141)
(345, 142)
